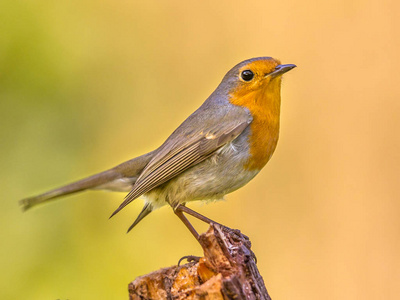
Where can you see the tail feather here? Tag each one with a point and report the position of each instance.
(148, 208)
(119, 178)
(91, 182)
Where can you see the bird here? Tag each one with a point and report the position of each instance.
(218, 149)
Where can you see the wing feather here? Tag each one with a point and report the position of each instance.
(183, 152)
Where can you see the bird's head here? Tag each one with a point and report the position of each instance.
(252, 76)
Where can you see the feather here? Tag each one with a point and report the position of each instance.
(148, 208)
(182, 151)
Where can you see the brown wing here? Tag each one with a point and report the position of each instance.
(177, 155)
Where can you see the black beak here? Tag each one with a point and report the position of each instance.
(281, 69)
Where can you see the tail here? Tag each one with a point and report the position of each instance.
(148, 208)
(91, 182)
(120, 178)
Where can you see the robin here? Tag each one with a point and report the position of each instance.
(216, 150)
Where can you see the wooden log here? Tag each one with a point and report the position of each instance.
(227, 271)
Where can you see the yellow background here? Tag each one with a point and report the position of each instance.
(85, 85)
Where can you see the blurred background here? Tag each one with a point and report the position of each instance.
(85, 85)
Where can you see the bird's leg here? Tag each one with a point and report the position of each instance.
(179, 212)
(181, 208)
(191, 212)
(185, 221)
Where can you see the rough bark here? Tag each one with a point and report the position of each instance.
(227, 271)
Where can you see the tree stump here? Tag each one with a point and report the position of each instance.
(227, 271)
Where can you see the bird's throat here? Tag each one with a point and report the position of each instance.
(264, 105)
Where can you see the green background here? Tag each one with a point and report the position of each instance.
(85, 85)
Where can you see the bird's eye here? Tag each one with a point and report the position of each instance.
(247, 75)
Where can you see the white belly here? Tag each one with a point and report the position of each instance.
(213, 178)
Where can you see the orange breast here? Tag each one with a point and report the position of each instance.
(264, 105)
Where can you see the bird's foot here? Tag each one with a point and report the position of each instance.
(236, 235)
(189, 258)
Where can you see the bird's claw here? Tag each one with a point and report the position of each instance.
(189, 258)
